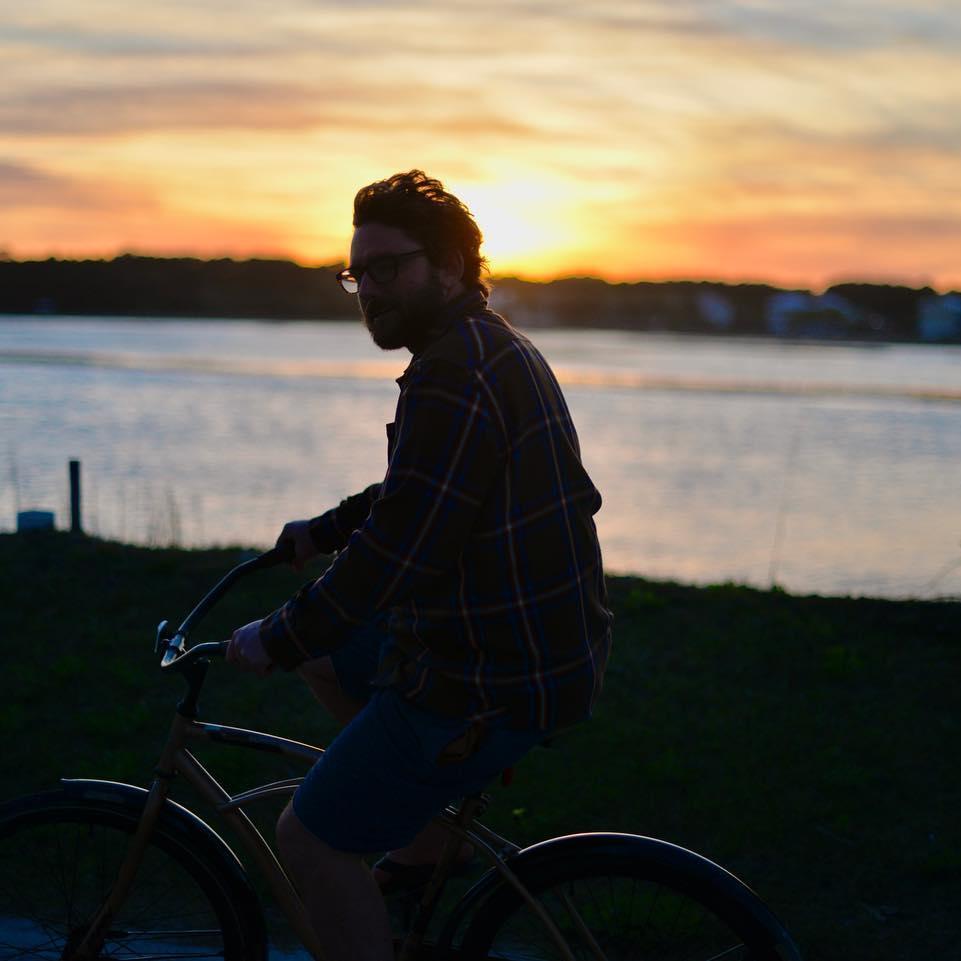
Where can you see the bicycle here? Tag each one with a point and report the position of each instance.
(100, 869)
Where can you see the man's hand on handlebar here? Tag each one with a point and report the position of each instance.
(298, 534)
(247, 651)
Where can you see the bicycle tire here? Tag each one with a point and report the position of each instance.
(58, 858)
(641, 899)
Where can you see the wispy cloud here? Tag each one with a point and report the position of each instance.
(253, 108)
(24, 187)
(99, 42)
(144, 107)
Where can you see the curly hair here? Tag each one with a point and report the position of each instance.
(436, 219)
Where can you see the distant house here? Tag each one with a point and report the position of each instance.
(939, 317)
(716, 309)
(797, 313)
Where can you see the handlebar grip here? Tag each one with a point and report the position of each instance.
(283, 553)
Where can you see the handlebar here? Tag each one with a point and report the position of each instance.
(175, 651)
(179, 657)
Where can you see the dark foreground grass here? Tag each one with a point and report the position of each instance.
(809, 744)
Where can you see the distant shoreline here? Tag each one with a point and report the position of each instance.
(533, 328)
(282, 291)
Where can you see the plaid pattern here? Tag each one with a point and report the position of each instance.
(480, 541)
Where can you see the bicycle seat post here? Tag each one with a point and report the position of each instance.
(470, 807)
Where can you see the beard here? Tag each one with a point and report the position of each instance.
(403, 321)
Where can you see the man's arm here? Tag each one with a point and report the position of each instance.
(447, 453)
(327, 533)
(331, 530)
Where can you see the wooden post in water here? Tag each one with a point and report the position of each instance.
(76, 527)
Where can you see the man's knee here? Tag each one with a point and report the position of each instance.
(301, 850)
(288, 828)
(298, 847)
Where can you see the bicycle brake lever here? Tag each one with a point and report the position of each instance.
(163, 635)
(175, 647)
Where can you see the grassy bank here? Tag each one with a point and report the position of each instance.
(808, 744)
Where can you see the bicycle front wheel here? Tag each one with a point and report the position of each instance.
(611, 905)
(58, 861)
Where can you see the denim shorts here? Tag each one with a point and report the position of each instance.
(386, 774)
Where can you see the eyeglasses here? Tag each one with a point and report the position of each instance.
(382, 270)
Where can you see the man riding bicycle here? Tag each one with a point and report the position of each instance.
(464, 617)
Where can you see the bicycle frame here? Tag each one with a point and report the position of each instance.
(177, 760)
(700, 881)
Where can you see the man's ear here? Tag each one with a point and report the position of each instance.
(453, 268)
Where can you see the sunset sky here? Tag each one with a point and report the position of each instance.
(791, 142)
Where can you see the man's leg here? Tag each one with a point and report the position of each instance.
(342, 899)
(321, 677)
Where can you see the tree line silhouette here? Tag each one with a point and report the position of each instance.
(139, 286)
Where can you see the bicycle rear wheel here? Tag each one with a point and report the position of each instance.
(58, 860)
(618, 906)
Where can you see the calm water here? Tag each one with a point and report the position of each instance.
(827, 468)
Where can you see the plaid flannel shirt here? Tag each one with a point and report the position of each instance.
(480, 541)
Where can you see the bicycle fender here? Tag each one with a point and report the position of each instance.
(670, 861)
(174, 817)
(187, 828)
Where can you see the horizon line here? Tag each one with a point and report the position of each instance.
(7, 257)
